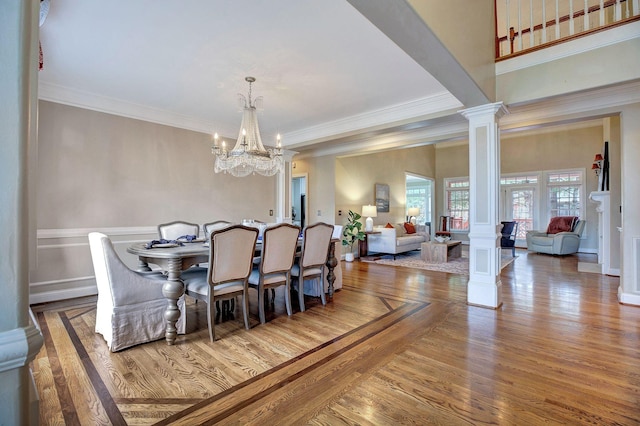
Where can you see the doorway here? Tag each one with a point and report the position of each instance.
(419, 194)
(299, 202)
(519, 203)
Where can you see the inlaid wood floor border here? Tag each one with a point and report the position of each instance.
(237, 397)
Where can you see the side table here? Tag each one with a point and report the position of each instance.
(363, 245)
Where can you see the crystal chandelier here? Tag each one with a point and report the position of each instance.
(248, 155)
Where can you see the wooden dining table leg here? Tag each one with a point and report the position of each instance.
(173, 289)
(332, 262)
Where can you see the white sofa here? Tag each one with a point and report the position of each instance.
(396, 240)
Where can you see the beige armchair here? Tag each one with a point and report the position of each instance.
(559, 243)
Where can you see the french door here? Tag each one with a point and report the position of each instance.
(519, 203)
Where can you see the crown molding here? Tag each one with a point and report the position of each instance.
(91, 101)
(570, 48)
(437, 132)
(381, 117)
(594, 103)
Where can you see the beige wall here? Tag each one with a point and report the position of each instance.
(356, 176)
(102, 170)
(467, 29)
(123, 176)
(570, 74)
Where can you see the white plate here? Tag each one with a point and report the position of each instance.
(166, 245)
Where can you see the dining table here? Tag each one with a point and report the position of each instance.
(176, 258)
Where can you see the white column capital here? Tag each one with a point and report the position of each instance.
(496, 109)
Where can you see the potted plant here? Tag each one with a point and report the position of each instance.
(352, 232)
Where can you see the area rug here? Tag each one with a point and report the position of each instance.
(454, 266)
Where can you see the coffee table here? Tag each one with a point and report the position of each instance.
(434, 252)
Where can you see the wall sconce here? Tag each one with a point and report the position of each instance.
(598, 160)
(596, 168)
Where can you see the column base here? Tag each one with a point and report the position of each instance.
(628, 298)
(484, 295)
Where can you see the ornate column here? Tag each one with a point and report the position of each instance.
(484, 287)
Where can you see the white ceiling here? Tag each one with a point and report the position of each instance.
(322, 68)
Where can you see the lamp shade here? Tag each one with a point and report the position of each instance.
(413, 211)
(598, 157)
(369, 211)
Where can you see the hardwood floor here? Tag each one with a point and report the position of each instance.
(396, 346)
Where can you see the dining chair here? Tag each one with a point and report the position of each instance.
(174, 230)
(509, 234)
(131, 307)
(230, 260)
(313, 258)
(279, 244)
(208, 228)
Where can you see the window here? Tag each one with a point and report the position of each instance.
(565, 193)
(418, 193)
(457, 203)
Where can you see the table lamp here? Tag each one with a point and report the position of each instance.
(369, 212)
(412, 213)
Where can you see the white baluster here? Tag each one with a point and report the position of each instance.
(519, 25)
(530, 24)
(636, 7)
(602, 13)
(585, 17)
(508, 13)
(557, 20)
(618, 11)
(544, 22)
(571, 28)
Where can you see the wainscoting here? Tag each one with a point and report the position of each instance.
(63, 265)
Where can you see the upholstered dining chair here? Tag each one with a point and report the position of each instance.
(230, 261)
(208, 228)
(313, 258)
(279, 244)
(509, 234)
(130, 308)
(176, 229)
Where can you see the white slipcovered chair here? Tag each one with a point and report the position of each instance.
(279, 244)
(308, 273)
(230, 261)
(176, 229)
(130, 308)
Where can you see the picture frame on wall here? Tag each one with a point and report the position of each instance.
(382, 197)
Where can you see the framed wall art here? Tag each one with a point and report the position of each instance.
(382, 197)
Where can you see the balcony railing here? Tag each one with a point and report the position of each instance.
(526, 25)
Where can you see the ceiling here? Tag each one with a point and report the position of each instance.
(324, 71)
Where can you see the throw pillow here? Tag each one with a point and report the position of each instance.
(409, 228)
(388, 225)
(400, 231)
(561, 224)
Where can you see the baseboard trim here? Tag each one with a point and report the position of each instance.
(55, 295)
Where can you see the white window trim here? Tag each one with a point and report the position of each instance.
(446, 211)
(545, 191)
